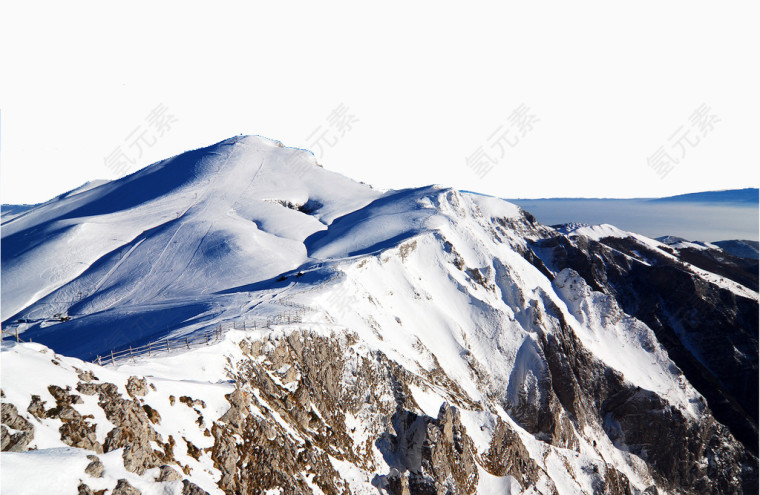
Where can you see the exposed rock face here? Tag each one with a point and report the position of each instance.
(676, 447)
(167, 473)
(710, 333)
(76, 429)
(304, 401)
(508, 456)
(189, 488)
(428, 455)
(269, 459)
(133, 430)
(17, 440)
(137, 387)
(124, 488)
(95, 467)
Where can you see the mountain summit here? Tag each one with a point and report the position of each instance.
(262, 325)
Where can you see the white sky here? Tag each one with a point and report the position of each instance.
(609, 82)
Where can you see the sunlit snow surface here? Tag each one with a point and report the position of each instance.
(246, 229)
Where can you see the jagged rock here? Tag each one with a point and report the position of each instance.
(429, 456)
(676, 446)
(168, 473)
(270, 459)
(239, 401)
(124, 488)
(537, 407)
(508, 456)
(137, 387)
(83, 489)
(189, 488)
(190, 402)
(95, 467)
(76, 430)
(133, 430)
(137, 459)
(87, 388)
(699, 324)
(86, 376)
(225, 455)
(37, 407)
(269, 456)
(153, 415)
(14, 442)
(616, 483)
(64, 397)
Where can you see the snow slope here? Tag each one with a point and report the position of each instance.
(436, 280)
(167, 236)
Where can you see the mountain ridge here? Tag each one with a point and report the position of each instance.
(445, 342)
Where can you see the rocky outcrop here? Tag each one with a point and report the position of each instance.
(137, 387)
(95, 467)
(168, 473)
(133, 431)
(189, 488)
(76, 430)
(306, 403)
(315, 406)
(83, 489)
(709, 333)
(676, 447)
(508, 456)
(16, 431)
(269, 458)
(428, 455)
(124, 488)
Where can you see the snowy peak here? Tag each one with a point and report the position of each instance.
(421, 340)
(248, 201)
(595, 232)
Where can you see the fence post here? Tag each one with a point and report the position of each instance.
(131, 355)
(206, 338)
(113, 361)
(17, 335)
(148, 349)
(100, 363)
(167, 345)
(187, 344)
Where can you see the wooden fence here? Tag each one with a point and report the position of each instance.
(195, 339)
(14, 334)
(166, 345)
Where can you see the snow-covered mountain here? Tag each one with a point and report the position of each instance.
(279, 328)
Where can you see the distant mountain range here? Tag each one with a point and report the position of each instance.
(704, 216)
(749, 196)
